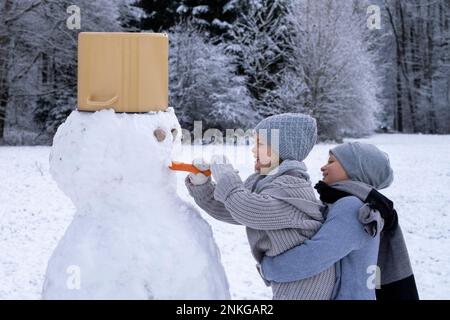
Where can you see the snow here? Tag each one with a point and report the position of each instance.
(230, 6)
(221, 24)
(182, 9)
(199, 10)
(35, 213)
(132, 237)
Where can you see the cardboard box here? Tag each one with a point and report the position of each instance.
(124, 71)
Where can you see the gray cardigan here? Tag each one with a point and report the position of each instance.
(280, 212)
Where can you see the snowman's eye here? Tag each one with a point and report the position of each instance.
(159, 134)
(174, 133)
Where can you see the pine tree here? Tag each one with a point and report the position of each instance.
(419, 35)
(203, 84)
(214, 17)
(330, 73)
(259, 44)
(41, 66)
(159, 15)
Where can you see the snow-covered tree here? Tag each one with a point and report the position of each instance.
(203, 84)
(158, 15)
(130, 15)
(419, 53)
(41, 64)
(214, 17)
(275, 56)
(260, 48)
(329, 73)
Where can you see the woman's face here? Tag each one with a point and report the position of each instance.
(265, 158)
(333, 171)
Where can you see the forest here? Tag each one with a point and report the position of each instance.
(357, 66)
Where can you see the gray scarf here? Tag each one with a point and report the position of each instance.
(393, 258)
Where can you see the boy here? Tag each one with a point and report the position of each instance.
(277, 203)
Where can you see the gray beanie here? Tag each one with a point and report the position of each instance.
(366, 163)
(297, 134)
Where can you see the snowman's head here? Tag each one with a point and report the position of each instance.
(111, 155)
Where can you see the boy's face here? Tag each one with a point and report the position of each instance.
(265, 158)
(333, 171)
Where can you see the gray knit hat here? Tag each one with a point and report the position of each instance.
(297, 134)
(366, 163)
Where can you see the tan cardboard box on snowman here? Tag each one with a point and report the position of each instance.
(124, 71)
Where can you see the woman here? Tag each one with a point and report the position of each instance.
(350, 178)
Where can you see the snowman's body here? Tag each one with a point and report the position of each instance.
(132, 237)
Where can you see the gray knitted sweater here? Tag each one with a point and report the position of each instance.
(280, 212)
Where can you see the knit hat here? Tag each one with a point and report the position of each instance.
(297, 134)
(365, 163)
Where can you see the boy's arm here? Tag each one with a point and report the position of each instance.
(340, 234)
(204, 197)
(257, 211)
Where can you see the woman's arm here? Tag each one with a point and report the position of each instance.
(340, 234)
(204, 197)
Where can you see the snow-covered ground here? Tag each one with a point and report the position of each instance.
(34, 214)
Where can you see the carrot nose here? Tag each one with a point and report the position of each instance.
(180, 166)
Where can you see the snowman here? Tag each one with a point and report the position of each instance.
(131, 237)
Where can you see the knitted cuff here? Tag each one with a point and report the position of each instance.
(227, 183)
(202, 191)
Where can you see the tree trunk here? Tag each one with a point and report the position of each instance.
(405, 69)
(429, 72)
(5, 40)
(399, 109)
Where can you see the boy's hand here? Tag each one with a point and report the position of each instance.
(199, 178)
(220, 165)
